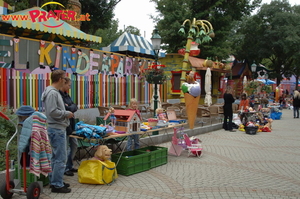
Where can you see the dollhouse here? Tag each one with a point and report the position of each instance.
(126, 120)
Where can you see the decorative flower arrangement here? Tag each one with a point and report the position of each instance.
(266, 88)
(257, 86)
(252, 87)
(154, 74)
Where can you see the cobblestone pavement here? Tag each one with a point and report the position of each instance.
(233, 165)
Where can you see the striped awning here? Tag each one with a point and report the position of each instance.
(132, 44)
(52, 30)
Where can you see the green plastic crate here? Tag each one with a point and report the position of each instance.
(131, 162)
(30, 178)
(158, 155)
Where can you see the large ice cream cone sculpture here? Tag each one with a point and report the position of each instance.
(191, 104)
(191, 90)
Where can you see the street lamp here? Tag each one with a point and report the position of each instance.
(156, 41)
(202, 30)
(253, 69)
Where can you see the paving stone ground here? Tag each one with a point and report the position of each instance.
(233, 165)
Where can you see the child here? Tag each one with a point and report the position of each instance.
(133, 105)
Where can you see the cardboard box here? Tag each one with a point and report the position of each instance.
(173, 118)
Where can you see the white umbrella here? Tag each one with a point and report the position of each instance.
(244, 81)
(207, 87)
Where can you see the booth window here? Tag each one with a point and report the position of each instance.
(175, 81)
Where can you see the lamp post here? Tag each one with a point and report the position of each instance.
(253, 69)
(202, 30)
(156, 41)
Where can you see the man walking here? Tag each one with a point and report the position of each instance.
(58, 120)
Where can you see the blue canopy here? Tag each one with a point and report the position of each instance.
(266, 81)
(133, 45)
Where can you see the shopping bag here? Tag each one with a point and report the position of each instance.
(97, 172)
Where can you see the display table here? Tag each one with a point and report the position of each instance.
(95, 142)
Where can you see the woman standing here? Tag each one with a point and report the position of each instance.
(296, 103)
(228, 100)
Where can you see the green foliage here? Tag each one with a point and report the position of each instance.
(7, 130)
(220, 14)
(271, 37)
(108, 35)
(252, 87)
(101, 12)
(266, 88)
(257, 86)
(111, 34)
(154, 74)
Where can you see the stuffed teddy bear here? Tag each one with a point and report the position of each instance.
(269, 124)
(103, 153)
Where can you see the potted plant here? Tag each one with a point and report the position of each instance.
(252, 87)
(154, 74)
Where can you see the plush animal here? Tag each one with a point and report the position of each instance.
(103, 153)
(269, 124)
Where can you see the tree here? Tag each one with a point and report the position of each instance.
(108, 35)
(133, 30)
(22, 5)
(272, 37)
(219, 13)
(101, 12)
(111, 34)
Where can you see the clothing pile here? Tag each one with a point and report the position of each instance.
(90, 131)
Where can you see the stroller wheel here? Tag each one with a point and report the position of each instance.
(33, 191)
(6, 194)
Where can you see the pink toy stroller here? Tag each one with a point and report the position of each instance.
(193, 148)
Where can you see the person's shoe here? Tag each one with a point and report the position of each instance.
(65, 185)
(232, 130)
(74, 170)
(61, 190)
(69, 173)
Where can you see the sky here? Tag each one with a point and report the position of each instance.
(136, 13)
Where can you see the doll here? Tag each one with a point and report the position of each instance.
(161, 115)
(113, 118)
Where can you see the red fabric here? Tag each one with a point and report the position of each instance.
(244, 103)
(266, 129)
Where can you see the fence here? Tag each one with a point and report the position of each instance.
(20, 88)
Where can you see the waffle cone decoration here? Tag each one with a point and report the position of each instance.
(191, 104)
